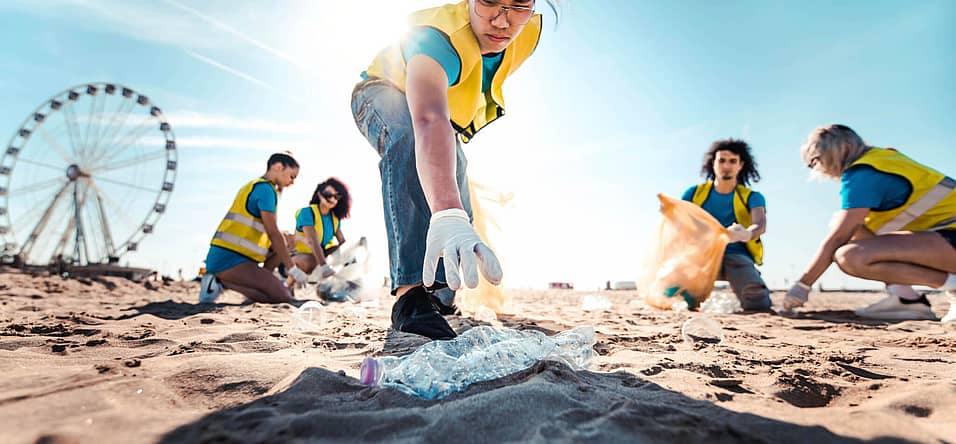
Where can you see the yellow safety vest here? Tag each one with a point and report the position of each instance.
(931, 205)
(741, 213)
(470, 108)
(242, 232)
(302, 241)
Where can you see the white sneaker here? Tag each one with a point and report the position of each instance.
(951, 316)
(209, 289)
(896, 309)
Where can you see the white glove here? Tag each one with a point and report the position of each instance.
(296, 273)
(324, 271)
(737, 233)
(796, 296)
(450, 235)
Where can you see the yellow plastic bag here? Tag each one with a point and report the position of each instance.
(684, 263)
(485, 294)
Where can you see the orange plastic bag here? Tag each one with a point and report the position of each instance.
(684, 263)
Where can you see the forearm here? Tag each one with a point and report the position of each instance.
(757, 230)
(278, 245)
(822, 259)
(435, 160)
(318, 253)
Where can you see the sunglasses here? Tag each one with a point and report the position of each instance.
(331, 196)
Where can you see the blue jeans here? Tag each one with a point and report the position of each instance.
(740, 271)
(381, 114)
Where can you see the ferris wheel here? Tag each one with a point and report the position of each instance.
(86, 176)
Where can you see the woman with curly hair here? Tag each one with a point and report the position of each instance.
(318, 230)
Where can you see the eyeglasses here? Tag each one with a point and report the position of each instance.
(813, 162)
(329, 196)
(491, 9)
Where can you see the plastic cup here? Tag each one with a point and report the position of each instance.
(702, 329)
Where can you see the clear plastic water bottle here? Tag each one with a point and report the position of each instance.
(721, 303)
(351, 265)
(483, 353)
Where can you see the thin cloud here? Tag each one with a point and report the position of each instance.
(235, 32)
(234, 143)
(228, 69)
(193, 119)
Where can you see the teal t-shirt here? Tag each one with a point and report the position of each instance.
(306, 219)
(862, 186)
(432, 43)
(721, 206)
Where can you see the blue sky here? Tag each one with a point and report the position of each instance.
(618, 104)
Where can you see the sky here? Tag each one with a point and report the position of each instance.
(618, 103)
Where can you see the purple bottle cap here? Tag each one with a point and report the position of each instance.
(370, 372)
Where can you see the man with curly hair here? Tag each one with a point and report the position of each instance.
(729, 167)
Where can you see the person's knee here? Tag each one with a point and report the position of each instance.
(851, 258)
(755, 298)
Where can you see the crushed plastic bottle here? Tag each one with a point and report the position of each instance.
(679, 306)
(482, 353)
(351, 265)
(721, 303)
(484, 314)
(309, 317)
(702, 329)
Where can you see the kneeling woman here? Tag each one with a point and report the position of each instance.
(897, 224)
(248, 235)
(318, 230)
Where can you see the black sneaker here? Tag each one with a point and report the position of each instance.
(415, 313)
(445, 310)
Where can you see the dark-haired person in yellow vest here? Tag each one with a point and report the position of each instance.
(729, 167)
(897, 225)
(318, 226)
(422, 96)
(246, 236)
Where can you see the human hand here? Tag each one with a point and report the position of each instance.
(325, 271)
(296, 273)
(796, 296)
(451, 236)
(737, 233)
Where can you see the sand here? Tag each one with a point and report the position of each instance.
(110, 360)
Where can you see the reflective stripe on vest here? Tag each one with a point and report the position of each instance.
(236, 240)
(929, 200)
(240, 231)
(247, 221)
(931, 204)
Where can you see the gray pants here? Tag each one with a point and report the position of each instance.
(741, 272)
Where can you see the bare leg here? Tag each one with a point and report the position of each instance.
(305, 262)
(247, 291)
(248, 275)
(908, 258)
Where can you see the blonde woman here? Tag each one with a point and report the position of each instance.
(897, 224)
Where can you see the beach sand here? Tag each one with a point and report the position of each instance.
(113, 361)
